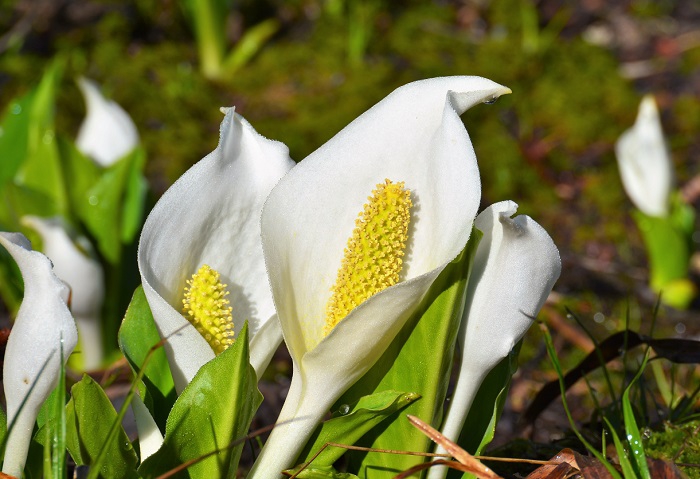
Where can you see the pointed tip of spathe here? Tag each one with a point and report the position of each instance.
(226, 109)
(17, 239)
(648, 109)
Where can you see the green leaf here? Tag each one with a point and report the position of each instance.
(21, 200)
(102, 206)
(52, 431)
(82, 172)
(134, 198)
(57, 450)
(622, 455)
(3, 428)
(634, 438)
(14, 135)
(11, 285)
(137, 335)
(668, 241)
(213, 411)
(552, 352)
(350, 423)
(324, 472)
(40, 170)
(419, 360)
(252, 41)
(208, 19)
(89, 418)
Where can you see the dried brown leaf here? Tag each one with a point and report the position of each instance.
(470, 463)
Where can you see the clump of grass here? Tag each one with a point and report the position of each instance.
(638, 401)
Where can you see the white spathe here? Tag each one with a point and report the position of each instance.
(150, 437)
(211, 215)
(74, 261)
(414, 135)
(43, 332)
(645, 164)
(107, 132)
(515, 267)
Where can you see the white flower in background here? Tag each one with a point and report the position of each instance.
(42, 332)
(74, 261)
(107, 132)
(208, 223)
(644, 162)
(515, 267)
(345, 285)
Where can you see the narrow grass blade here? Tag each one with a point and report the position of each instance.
(633, 437)
(557, 367)
(622, 455)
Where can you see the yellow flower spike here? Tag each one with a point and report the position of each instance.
(206, 307)
(372, 260)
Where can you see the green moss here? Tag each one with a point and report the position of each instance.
(678, 443)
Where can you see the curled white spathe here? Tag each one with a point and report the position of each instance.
(414, 135)
(515, 267)
(74, 261)
(43, 332)
(107, 132)
(211, 215)
(644, 162)
(150, 437)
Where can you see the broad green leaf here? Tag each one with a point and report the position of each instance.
(102, 210)
(324, 472)
(213, 411)
(14, 136)
(419, 360)
(52, 430)
(89, 418)
(668, 241)
(3, 427)
(20, 200)
(134, 198)
(11, 285)
(41, 168)
(81, 173)
(137, 335)
(350, 423)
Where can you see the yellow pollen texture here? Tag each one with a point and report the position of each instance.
(206, 307)
(372, 260)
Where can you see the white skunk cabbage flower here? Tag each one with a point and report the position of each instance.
(74, 261)
(201, 255)
(344, 284)
(515, 267)
(645, 164)
(107, 132)
(43, 332)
